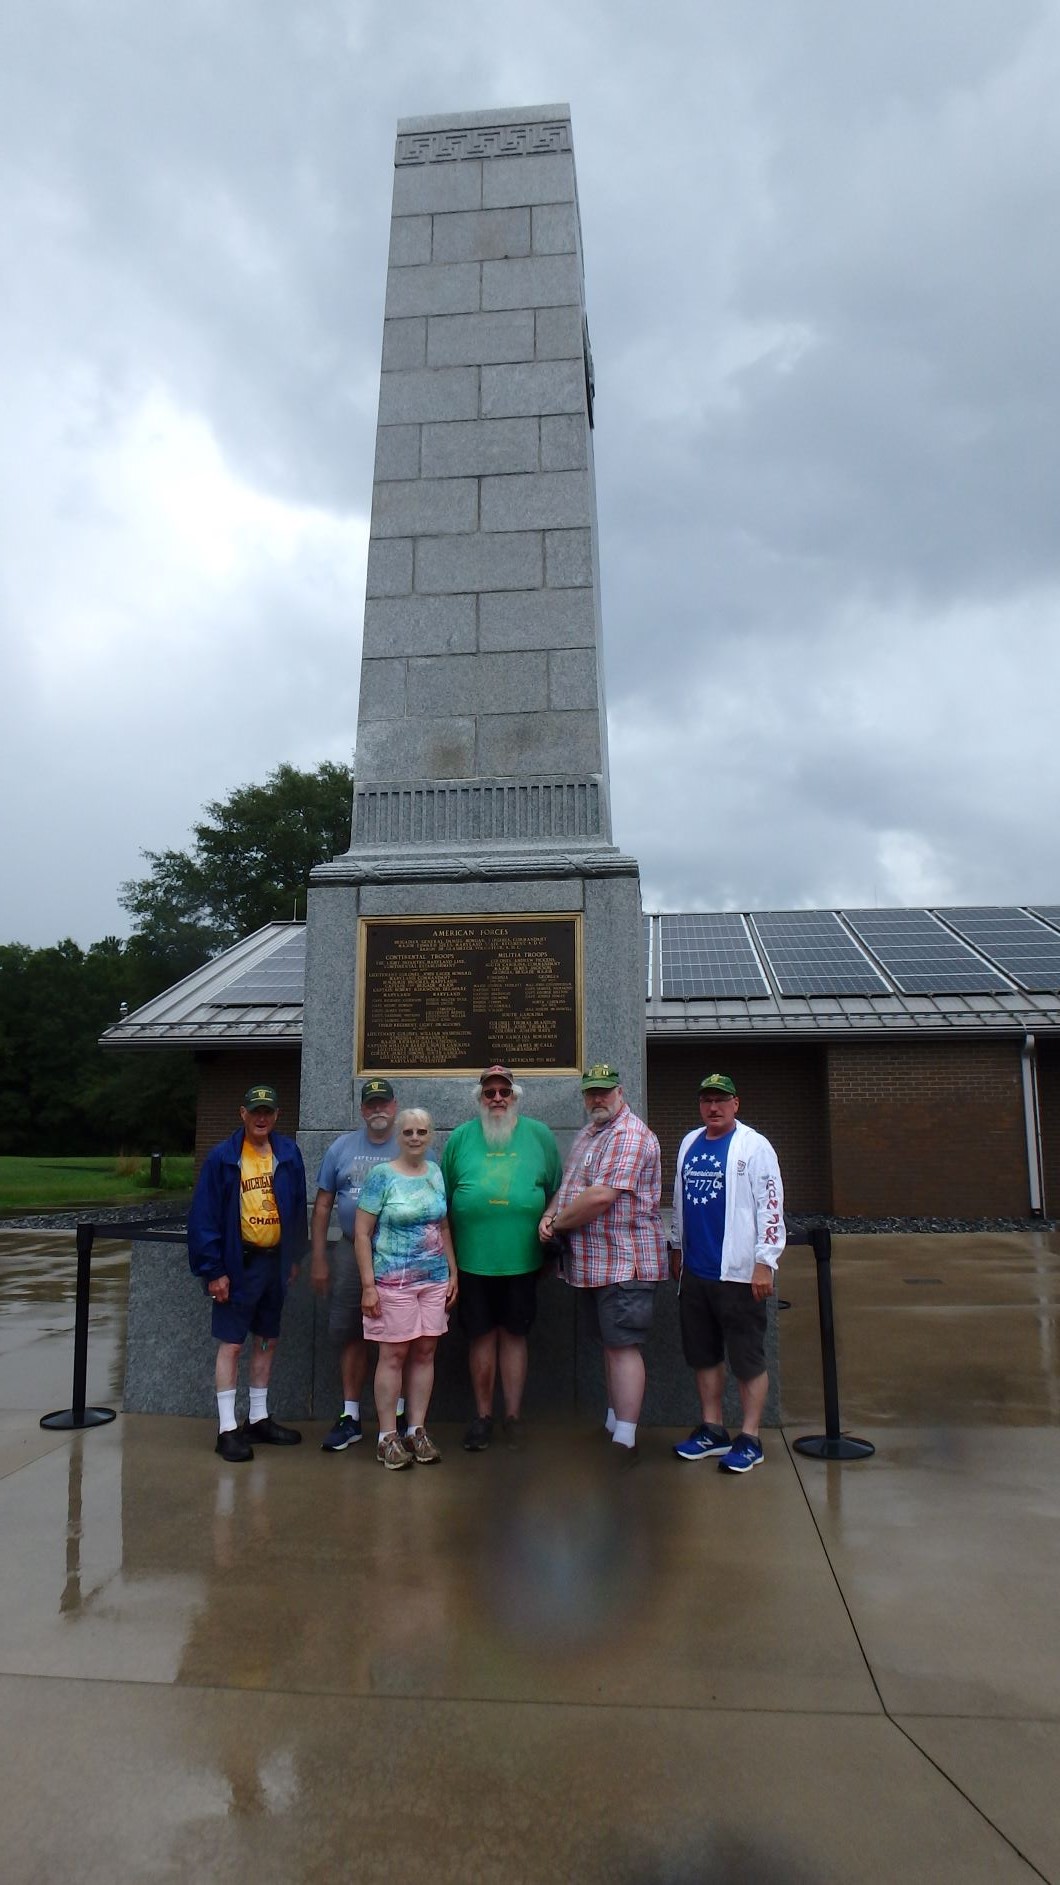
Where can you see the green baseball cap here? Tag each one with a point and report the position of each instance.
(718, 1083)
(376, 1090)
(600, 1075)
(261, 1096)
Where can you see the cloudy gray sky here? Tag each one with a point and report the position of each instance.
(822, 271)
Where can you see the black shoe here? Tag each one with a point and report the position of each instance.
(233, 1447)
(623, 1457)
(514, 1433)
(479, 1434)
(268, 1432)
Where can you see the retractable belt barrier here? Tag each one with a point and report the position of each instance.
(832, 1444)
(78, 1415)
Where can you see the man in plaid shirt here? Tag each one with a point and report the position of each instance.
(608, 1209)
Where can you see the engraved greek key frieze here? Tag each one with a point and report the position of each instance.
(500, 140)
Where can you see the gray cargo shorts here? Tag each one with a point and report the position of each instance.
(344, 1314)
(620, 1314)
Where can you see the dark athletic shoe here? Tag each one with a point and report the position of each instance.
(268, 1432)
(233, 1448)
(346, 1432)
(514, 1433)
(479, 1434)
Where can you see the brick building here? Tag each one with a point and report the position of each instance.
(904, 1063)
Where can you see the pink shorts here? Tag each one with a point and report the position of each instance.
(408, 1310)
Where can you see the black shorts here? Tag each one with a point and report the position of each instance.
(486, 1303)
(719, 1319)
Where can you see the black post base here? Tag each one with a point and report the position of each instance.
(820, 1447)
(66, 1419)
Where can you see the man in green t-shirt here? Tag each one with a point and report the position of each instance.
(500, 1171)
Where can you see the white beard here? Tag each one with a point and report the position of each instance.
(497, 1128)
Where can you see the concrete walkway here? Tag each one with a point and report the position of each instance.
(524, 1667)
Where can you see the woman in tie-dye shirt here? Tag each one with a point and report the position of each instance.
(409, 1284)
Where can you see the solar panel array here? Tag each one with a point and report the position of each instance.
(1025, 949)
(1050, 911)
(707, 955)
(810, 953)
(277, 982)
(921, 956)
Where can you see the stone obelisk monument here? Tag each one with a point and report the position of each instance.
(482, 912)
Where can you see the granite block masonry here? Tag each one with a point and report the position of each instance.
(482, 766)
(482, 790)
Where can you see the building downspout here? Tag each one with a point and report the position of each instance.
(1032, 1126)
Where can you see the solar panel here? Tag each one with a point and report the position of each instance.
(811, 954)
(707, 955)
(277, 982)
(1050, 912)
(1024, 948)
(922, 957)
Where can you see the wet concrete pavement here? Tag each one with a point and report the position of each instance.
(520, 1667)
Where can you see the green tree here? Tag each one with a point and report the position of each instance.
(249, 864)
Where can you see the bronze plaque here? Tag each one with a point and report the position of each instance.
(450, 994)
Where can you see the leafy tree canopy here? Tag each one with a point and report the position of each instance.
(249, 864)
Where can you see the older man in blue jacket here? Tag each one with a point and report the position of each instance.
(246, 1240)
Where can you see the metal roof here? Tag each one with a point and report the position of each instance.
(251, 995)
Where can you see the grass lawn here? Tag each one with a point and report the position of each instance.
(54, 1184)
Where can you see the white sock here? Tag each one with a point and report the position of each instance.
(259, 1404)
(226, 1410)
(609, 1423)
(400, 1409)
(352, 1408)
(625, 1433)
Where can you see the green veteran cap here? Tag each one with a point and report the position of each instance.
(600, 1075)
(376, 1090)
(256, 1096)
(718, 1083)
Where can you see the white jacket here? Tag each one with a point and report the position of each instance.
(754, 1204)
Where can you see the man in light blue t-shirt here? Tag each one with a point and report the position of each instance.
(343, 1170)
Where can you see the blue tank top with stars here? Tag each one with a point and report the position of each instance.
(703, 1204)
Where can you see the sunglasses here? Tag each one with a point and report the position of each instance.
(414, 1132)
(496, 1092)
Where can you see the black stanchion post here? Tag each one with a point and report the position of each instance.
(832, 1444)
(156, 1170)
(79, 1415)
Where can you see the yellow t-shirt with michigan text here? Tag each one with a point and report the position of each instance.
(259, 1219)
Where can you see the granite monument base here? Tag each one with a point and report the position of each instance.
(170, 1360)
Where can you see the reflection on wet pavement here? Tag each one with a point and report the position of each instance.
(947, 1328)
(37, 1274)
(518, 1666)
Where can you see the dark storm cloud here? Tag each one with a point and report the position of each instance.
(823, 299)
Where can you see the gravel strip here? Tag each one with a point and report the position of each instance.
(168, 1216)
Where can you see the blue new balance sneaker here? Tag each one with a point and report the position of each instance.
(744, 1453)
(704, 1443)
(346, 1432)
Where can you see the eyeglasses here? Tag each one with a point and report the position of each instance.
(414, 1132)
(496, 1092)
